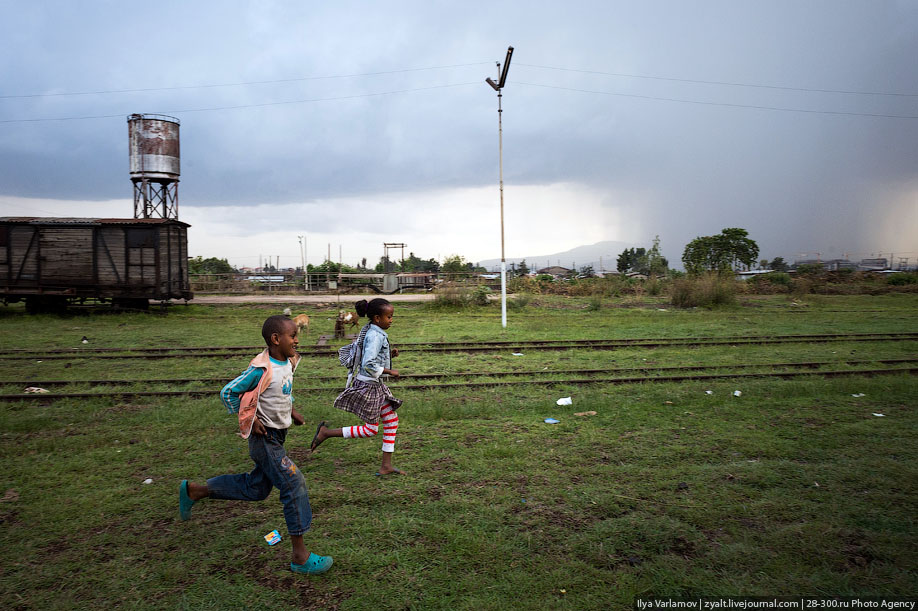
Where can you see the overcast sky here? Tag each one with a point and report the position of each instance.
(358, 123)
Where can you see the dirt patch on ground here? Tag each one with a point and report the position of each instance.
(126, 408)
(442, 463)
(311, 592)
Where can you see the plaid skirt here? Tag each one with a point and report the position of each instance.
(365, 399)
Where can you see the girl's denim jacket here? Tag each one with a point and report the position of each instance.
(376, 355)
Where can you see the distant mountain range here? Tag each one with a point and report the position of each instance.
(599, 255)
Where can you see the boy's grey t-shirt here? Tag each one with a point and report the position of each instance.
(276, 403)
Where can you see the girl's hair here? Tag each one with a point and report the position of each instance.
(376, 306)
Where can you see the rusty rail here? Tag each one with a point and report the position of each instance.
(596, 344)
(618, 380)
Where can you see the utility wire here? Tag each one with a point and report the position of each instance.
(213, 108)
(240, 84)
(596, 92)
(448, 66)
(684, 80)
(703, 103)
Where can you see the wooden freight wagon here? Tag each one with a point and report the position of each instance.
(49, 262)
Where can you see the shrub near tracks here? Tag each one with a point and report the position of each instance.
(676, 285)
(792, 487)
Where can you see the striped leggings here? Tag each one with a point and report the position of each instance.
(389, 420)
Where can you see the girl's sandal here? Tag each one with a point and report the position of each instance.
(315, 438)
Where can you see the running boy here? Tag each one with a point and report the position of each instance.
(365, 395)
(262, 396)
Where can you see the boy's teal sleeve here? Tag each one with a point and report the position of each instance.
(232, 392)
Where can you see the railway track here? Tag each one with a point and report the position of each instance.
(491, 346)
(421, 381)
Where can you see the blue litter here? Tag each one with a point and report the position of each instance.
(272, 537)
(551, 421)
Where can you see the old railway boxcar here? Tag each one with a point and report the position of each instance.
(49, 262)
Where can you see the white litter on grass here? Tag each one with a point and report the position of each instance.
(709, 392)
(517, 354)
(564, 401)
(551, 421)
(858, 394)
(148, 480)
(737, 393)
(34, 390)
(879, 415)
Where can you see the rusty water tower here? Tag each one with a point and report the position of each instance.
(155, 167)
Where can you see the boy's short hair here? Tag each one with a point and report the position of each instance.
(275, 324)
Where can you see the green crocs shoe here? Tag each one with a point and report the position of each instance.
(315, 565)
(184, 501)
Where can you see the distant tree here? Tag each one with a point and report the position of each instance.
(643, 261)
(332, 268)
(743, 250)
(763, 264)
(778, 264)
(415, 264)
(522, 269)
(654, 263)
(212, 265)
(411, 263)
(630, 259)
(384, 265)
(810, 269)
(586, 271)
(728, 250)
(454, 264)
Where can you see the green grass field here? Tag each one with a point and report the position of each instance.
(795, 487)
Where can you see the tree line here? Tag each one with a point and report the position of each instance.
(453, 264)
(730, 250)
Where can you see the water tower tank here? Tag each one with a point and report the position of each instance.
(154, 147)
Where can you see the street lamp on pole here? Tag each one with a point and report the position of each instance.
(498, 86)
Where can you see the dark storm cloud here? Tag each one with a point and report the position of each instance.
(706, 155)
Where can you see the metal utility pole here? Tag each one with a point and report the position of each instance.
(498, 86)
(303, 258)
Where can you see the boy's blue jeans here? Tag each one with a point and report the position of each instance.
(273, 469)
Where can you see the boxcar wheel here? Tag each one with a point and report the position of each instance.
(130, 303)
(33, 305)
(40, 305)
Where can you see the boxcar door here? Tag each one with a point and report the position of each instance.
(66, 256)
(22, 267)
(141, 257)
